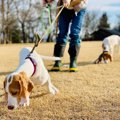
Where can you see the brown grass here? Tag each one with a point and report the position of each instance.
(93, 93)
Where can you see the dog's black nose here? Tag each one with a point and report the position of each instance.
(11, 107)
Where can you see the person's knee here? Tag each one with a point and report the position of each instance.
(75, 39)
(62, 39)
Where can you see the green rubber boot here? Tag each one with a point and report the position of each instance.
(58, 52)
(57, 66)
(73, 52)
(73, 65)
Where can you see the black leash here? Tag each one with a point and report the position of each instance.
(37, 41)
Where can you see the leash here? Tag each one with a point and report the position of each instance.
(38, 38)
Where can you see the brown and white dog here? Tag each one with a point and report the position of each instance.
(108, 45)
(18, 84)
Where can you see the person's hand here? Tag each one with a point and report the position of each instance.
(66, 3)
(80, 6)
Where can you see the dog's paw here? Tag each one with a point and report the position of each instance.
(53, 90)
(24, 102)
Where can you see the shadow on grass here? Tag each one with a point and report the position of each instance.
(39, 95)
(85, 63)
(79, 63)
(3, 101)
(66, 65)
(58, 71)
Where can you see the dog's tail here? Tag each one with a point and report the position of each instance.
(49, 58)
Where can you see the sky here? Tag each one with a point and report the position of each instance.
(112, 7)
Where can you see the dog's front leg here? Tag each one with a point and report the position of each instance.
(53, 90)
(111, 52)
(118, 50)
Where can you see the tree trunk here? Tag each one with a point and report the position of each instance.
(50, 19)
(3, 19)
(23, 32)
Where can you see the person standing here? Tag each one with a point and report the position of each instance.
(71, 18)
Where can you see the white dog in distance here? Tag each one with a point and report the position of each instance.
(108, 45)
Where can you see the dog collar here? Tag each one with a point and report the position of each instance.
(34, 64)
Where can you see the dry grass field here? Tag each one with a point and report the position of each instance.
(93, 93)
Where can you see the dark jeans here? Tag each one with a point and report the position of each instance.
(66, 17)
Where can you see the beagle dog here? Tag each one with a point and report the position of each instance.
(18, 85)
(108, 45)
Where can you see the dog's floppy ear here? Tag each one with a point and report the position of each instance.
(29, 84)
(109, 57)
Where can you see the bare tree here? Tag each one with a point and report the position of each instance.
(104, 21)
(24, 14)
(3, 17)
(8, 19)
(28, 15)
(90, 23)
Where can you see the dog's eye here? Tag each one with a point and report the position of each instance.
(14, 93)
